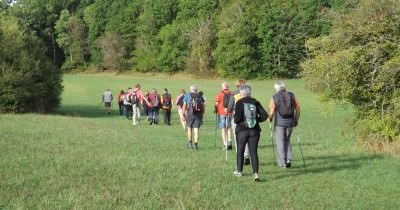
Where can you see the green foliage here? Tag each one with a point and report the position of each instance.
(359, 63)
(284, 27)
(236, 53)
(28, 80)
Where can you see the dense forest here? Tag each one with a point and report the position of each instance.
(229, 38)
(346, 50)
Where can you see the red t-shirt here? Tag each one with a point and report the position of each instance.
(220, 100)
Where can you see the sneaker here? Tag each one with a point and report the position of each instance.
(196, 147)
(247, 161)
(283, 166)
(189, 145)
(256, 177)
(230, 147)
(237, 173)
(288, 164)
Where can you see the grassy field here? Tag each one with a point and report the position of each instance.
(82, 158)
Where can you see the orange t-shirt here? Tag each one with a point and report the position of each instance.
(220, 100)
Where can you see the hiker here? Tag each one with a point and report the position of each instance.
(134, 102)
(179, 105)
(107, 99)
(128, 104)
(224, 117)
(141, 100)
(166, 100)
(195, 105)
(154, 104)
(145, 105)
(121, 102)
(231, 108)
(248, 114)
(286, 109)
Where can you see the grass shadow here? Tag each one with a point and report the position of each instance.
(322, 164)
(87, 111)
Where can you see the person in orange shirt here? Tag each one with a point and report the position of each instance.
(224, 117)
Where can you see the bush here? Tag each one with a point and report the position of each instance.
(359, 62)
(28, 80)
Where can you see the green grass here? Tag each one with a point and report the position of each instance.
(83, 159)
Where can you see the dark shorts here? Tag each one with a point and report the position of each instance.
(107, 104)
(194, 121)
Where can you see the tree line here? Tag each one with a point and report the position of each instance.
(229, 38)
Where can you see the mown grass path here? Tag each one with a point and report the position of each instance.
(81, 158)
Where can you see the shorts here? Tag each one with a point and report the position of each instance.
(194, 121)
(224, 121)
(107, 104)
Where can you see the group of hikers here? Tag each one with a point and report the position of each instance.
(238, 116)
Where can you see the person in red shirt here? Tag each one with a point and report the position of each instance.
(224, 117)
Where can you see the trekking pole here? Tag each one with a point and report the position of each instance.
(301, 150)
(272, 143)
(216, 129)
(226, 138)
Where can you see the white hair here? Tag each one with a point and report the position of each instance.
(245, 90)
(193, 89)
(279, 85)
(224, 85)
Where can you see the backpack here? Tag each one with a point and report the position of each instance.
(226, 98)
(180, 101)
(155, 100)
(196, 103)
(250, 115)
(285, 104)
(133, 99)
(167, 100)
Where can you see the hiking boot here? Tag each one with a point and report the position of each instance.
(189, 145)
(247, 161)
(196, 147)
(237, 173)
(288, 164)
(230, 147)
(256, 177)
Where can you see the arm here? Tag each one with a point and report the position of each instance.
(238, 116)
(271, 110)
(297, 107)
(263, 115)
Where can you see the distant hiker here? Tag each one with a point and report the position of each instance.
(195, 105)
(121, 102)
(224, 117)
(166, 100)
(107, 99)
(286, 109)
(134, 101)
(128, 104)
(141, 100)
(145, 105)
(179, 105)
(231, 109)
(248, 114)
(154, 104)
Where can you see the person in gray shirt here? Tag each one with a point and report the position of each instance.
(107, 99)
(286, 109)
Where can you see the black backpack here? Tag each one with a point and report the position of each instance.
(196, 103)
(133, 99)
(225, 101)
(285, 104)
(167, 100)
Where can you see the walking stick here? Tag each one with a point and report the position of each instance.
(272, 143)
(226, 138)
(298, 141)
(216, 128)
